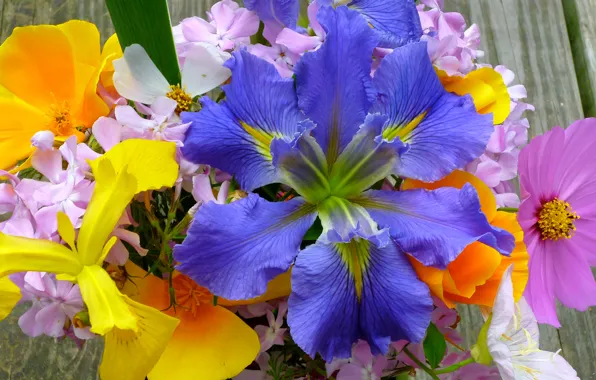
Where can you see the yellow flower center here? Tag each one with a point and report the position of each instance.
(61, 121)
(556, 220)
(181, 97)
(189, 295)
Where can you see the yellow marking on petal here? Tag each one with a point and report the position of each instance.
(107, 308)
(131, 355)
(10, 294)
(356, 256)
(262, 139)
(19, 254)
(403, 132)
(66, 230)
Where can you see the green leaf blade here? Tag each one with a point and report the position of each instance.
(147, 23)
(435, 346)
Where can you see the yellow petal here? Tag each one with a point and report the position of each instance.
(152, 163)
(19, 254)
(37, 65)
(280, 286)
(9, 296)
(107, 307)
(487, 88)
(84, 39)
(216, 344)
(111, 51)
(113, 192)
(19, 122)
(66, 230)
(131, 356)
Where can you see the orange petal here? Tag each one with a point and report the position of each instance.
(37, 65)
(146, 289)
(216, 344)
(487, 88)
(280, 286)
(20, 122)
(486, 293)
(458, 179)
(432, 277)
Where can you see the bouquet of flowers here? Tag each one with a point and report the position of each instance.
(266, 193)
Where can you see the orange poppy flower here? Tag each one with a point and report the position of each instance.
(474, 276)
(48, 81)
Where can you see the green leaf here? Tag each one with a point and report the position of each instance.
(147, 23)
(480, 351)
(434, 345)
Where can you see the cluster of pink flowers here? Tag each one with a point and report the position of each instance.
(454, 49)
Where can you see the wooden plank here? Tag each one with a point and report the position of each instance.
(581, 19)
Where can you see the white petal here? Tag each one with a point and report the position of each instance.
(503, 308)
(137, 78)
(543, 365)
(203, 69)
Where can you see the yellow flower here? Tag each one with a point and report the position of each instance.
(487, 88)
(136, 335)
(48, 81)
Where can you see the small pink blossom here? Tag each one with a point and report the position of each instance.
(299, 43)
(54, 302)
(274, 333)
(43, 140)
(363, 365)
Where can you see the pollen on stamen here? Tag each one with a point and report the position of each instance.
(61, 122)
(181, 97)
(556, 220)
(189, 295)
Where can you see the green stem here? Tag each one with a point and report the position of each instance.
(422, 366)
(508, 209)
(455, 367)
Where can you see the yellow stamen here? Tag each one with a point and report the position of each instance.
(61, 121)
(403, 132)
(556, 220)
(181, 97)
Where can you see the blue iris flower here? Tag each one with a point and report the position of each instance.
(331, 135)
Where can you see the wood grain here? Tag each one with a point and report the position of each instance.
(581, 18)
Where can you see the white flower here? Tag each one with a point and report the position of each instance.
(137, 78)
(512, 340)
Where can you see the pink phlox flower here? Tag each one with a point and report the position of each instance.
(162, 123)
(299, 43)
(451, 46)
(228, 27)
(43, 140)
(363, 365)
(446, 319)
(53, 303)
(274, 333)
(119, 253)
(67, 191)
(416, 349)
(557, 169)
(202, 190)
(258, 309)
(277, 54)
(16, 217)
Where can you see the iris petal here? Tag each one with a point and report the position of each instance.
(395, 21)
(283, 13)
(435, 226)
(444, 130)
(235, 135)
(234, 250)
(333, 83)
(349, 291)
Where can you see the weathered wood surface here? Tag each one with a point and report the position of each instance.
(531, 37)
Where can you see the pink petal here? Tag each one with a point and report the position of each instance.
(27, 321)
(223, 15)
(297, 43)
(245, 25)
(361, 352)
(84, 154)
(118, 254)
(43, 140)
(131, 238)
(352, 372)
(540, 291)
(575, 286)
(48, 163)
(127, 116)
(195, 29)
(51, 320)
(202, 191)
(164, 106)
(107, 132)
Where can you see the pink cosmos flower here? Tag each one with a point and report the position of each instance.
(558, 216)
(54, 303)
(228, 28)
(274, 333)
